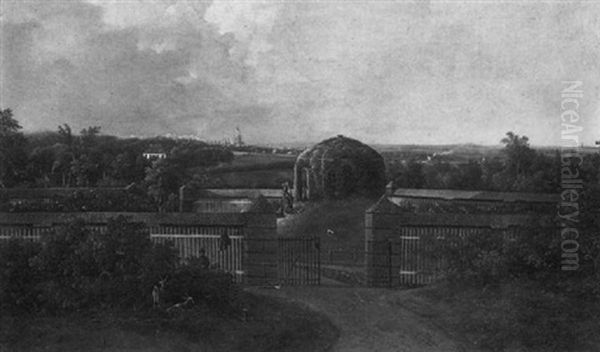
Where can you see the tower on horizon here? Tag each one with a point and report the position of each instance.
(237, 140)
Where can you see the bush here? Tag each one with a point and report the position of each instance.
(18, 275)
(475, 258)
(75, 268)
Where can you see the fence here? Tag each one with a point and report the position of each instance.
(24, 232)
(227, 258)
(187, 239)
(408, 258)
(284, 261)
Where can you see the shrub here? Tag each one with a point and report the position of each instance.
(75, 268)
(18, 275)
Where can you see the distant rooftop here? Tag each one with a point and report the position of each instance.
(447, 194)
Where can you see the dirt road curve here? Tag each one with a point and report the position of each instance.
(370, 319)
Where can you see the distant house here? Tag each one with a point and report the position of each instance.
(154, 156)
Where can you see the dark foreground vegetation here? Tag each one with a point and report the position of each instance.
(78, 285)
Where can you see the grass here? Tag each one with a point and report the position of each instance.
(518, 315)
(270, 325)
(257, 160)
(253, 178)
(346, 218)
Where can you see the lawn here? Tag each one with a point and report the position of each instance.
(345, 217)
(517, 315)
(269, 325)
(269, 178)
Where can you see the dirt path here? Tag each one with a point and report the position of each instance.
(370, 319)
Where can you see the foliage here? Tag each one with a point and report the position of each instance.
(82, 200)
(12, 150)
(75, 267)
(90, 159)
(18, 275)
(518, 168)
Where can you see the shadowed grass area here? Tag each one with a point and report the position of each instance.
(518, 315)
(270, 324)
(345, 217)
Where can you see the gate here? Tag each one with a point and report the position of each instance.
(299, 261)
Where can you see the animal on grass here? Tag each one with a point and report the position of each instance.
(186, 303)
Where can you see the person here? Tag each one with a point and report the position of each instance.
(203, 259)
(287, 200)
(224, 242)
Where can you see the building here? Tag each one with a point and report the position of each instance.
(336, 168)
(154, 156)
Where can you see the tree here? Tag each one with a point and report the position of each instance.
(13, 159)
(66, 134)
(410, 176)
(519, 154)
(163, 180)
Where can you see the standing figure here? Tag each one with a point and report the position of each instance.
(156, 291)
(287, 200)
(203, 259)
(224, 242)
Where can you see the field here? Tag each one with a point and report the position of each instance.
(254, 170)
(267, 178)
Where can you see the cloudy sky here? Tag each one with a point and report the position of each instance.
(381, 71)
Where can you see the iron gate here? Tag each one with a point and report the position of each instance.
(299, 261)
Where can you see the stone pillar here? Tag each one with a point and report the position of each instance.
(260, 244)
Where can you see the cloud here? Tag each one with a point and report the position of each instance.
(74, 63)
(388, 72)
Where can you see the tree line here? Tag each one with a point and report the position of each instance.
(90, 159)
(518, 168)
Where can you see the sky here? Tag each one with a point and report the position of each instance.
(383, 72)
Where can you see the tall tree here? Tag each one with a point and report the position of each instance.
(13, 158)
(519, 154)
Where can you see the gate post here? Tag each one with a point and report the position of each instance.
(260, 251)
(318, 246)
(389, 262)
